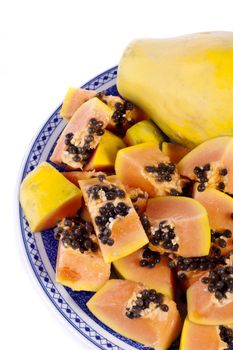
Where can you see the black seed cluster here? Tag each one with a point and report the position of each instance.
(142, 302)
(201, 174)
(119, 115)
(108, 212)
(215, 251)
(163, 172)
(76, 233)
(226, 335)
(82, 154)
(220, 281)
(111, 191)
(203, 263)
(149, 258)
(145, 223)
(163, 237)
(217, 237)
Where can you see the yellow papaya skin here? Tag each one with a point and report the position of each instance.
(185, 84)
(144, 131)
(46, 196)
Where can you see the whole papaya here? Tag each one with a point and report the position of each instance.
(185, 84)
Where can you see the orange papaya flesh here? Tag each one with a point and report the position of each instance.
(113, 303)
(201, 337)
(220, 208)
(138, 197)
(82, 134)
(149, 169)
(210, 299)
(80, 264)
(210, 163)
(84, 213)
(74, 98)
(75, 176)
(174, 151)
(177, 225)
(149, 268)
(114, 218)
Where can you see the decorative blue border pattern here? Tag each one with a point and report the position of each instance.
(50, 245)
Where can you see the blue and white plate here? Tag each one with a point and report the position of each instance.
(41, 249)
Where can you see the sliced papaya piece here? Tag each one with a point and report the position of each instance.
(138, 197)
(149, 268)
(210, 164)
(190, 269)
(210, 299)
(146, 167)
(201, 337)
(179, 225)
(46, 197)
(74, 98)
(174, 151)
(75, 176)
(144, 131)
(114, 305)
(220, 212)
(125, 114)
(114, 218)
(80, 264)
(82, 134)
(105, 154)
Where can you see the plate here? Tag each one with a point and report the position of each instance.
(41, 248)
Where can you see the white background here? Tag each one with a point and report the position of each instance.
(46, 46)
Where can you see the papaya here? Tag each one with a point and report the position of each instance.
(174, 151)
(82, 134)
(156, 323)
(46, 196)
(146, 167)
(124, 113)
(185, 84)
(210, 299)
(74, 98)
(75, 176)
(201, 337)
(138, 197)
(80, 264)
(210, 164)
(144, 131)
(179, 225)
(149, 268)
(84, 213)
(105, 154)
(190, 269)
(220, 212)
(114, 218)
